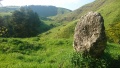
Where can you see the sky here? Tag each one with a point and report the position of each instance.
(69, 4)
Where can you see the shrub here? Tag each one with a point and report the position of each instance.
(80, 61)
(113, 33)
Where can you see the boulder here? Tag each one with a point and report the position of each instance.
(89, 37)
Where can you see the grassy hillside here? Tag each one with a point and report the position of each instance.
(46, 11)
(35, 53)
(52, 49)
(65, 30)
(5, 13)
(7, 10)
(108, 8)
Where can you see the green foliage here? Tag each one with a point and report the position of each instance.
(113, 33)
(22, 23)
(3, 31)
(110, 59)
(25, 23)
(80, 61)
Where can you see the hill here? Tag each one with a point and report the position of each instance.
(47, 11)
(108, 8)
(7, 10)
(110, 11)
(42, 11)
(53, 48)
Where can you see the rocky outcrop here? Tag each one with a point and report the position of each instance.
(89, 37)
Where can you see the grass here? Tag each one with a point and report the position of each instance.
(47, 50)
(55, 53)
(65, 30)
(5, 13)
(110, 59)
(112, 15)
(109, 9)
(113, 50)
(53, 48)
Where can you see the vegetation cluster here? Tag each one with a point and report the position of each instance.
(22, 23)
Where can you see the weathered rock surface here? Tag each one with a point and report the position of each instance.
(89, 37)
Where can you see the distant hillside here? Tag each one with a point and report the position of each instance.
(9, 8)
(43, 11)
(110, 10)
(47, 11)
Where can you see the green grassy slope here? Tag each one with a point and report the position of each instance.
(108, 8)
(51, 49)
(7, 10)
(65, 30)
(110, 11)
(5, 13)
(51, 53)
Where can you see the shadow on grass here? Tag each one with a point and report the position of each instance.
(111, 62)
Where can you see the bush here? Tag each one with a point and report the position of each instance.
(113, 33)
(21, 23)
(80, 61)
(3, 31)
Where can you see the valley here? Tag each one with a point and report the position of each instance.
(52, 46)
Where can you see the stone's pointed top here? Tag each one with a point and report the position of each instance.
(89, 37)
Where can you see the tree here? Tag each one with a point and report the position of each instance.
(25, 23)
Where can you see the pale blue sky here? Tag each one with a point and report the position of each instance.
(69, 4)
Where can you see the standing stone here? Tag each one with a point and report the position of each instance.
(89, 37)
